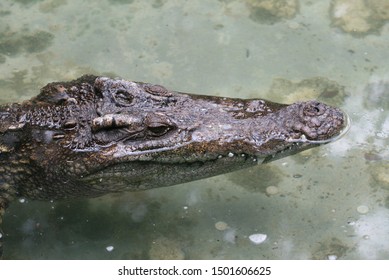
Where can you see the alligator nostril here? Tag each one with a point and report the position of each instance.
(313, 109)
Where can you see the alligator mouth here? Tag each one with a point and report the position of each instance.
(122, 176)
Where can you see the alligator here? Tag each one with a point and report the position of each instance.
(97, 135)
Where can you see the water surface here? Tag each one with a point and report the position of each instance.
(329, 202)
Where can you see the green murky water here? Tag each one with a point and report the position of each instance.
(330, 202)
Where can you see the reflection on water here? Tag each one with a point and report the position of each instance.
(326, 203)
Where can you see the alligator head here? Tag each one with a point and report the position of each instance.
(98, 135)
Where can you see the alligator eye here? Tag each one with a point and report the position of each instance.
(123, 98)
(158, 129)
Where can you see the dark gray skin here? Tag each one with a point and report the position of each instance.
(96, 135)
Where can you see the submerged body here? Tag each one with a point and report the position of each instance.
(97, 135)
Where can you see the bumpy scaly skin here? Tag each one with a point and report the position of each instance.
(97, 135)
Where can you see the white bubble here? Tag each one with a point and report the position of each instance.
(258, 238)
(366, 237)
(362, 209)
(221, 225)
(109, 248)
(272, 190)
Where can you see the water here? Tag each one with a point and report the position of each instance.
(330, 202)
